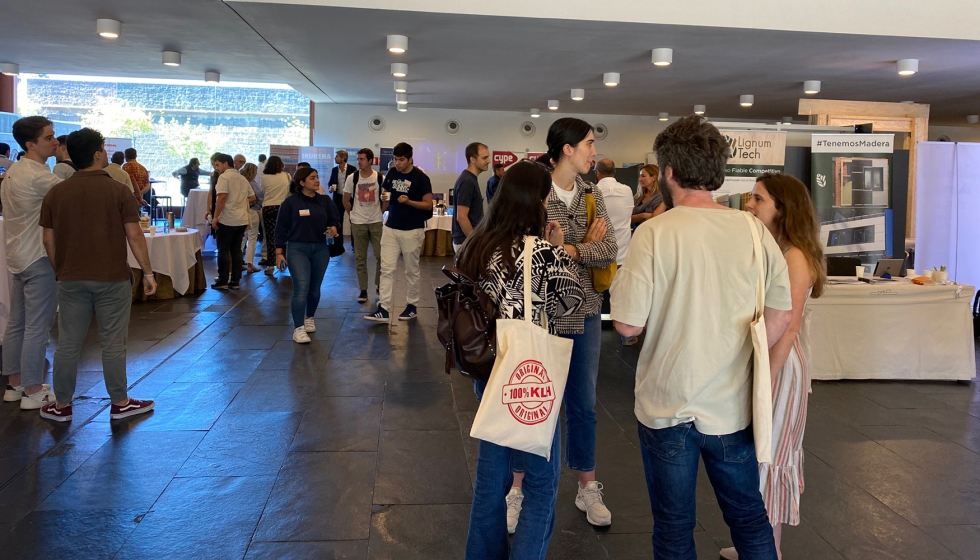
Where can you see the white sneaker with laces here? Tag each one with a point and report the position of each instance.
(515, 499)
(309, 325)
(38, 399)
(300, 336)
(589, 500)
(13, 394)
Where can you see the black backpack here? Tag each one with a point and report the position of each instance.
(467, 325)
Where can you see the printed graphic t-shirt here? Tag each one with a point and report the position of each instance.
(366, 205)
(413, 184)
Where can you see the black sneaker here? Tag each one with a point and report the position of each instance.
(234, 285)
(379, 316)
(362, 297)
(219, 286)
(264, 262)
(410, 313)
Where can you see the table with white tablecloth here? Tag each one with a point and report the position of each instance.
(891, 330)
(438, 236)
(196, 213)
(177, 256)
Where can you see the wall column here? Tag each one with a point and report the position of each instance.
(8, 94)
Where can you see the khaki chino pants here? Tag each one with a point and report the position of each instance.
(364, 234)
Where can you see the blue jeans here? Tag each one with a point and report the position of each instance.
(307, 264)
(670, 461)
(33, 305)
(487, 536)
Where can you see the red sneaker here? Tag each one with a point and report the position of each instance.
(132, 408)
(52, 412)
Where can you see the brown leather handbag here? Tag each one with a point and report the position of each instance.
(467, 325)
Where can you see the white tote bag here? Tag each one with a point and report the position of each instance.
(761, 379)
(522, 400)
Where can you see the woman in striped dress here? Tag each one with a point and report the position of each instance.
(783, 204)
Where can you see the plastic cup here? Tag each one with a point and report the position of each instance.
(859, 271)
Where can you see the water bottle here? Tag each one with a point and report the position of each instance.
(166, 227)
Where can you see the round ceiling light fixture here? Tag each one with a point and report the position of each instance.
(108, 28)
(535, 113)
(401, 87)
(611, 79)
(663, 117)
(787, 120)
(171, 58)
(553, 104)
(399, 69)
(811, 87)
(212, 76)
(746, 100)
(403, 108)
(699, 109)
(578, 94)
(973, 119)
(397, 44)
(10, 69)
(908, 66)
(662, 56)
(401, 98)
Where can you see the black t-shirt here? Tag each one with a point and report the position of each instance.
(467, 193)
(415, 185)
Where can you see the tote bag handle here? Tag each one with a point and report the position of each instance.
(528, 310)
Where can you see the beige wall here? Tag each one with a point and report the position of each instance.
(956, 133)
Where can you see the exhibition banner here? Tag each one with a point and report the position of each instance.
(752, 154)
(385, 157)
(319, 158)
(113, 145)
(506, 158)
(851, 187)
(288, 154)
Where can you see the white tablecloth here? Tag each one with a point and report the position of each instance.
(172, 254)
(196, 212)
(444, 223)
(894, 330)
(5, 282)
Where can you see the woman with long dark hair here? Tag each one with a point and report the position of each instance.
(275, 185)
(648, 202)
(306, 219)
(493, 255)
(782, 203)
(571, 152)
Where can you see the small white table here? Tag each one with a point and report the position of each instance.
(196, 213)
(445, 223)
(893, 330)
(172, 254)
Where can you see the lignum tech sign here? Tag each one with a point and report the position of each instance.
(752, 154)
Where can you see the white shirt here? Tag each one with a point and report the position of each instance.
(63, 171)
(235, 212)
(619, 205)
(565, 196)
(691, 278)
(366, 204)
(116, 172)
(24, 187)
(276, 188)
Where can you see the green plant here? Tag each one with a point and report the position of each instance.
(940, 269)
(116, 118)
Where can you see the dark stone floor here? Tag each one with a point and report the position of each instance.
(356, 446)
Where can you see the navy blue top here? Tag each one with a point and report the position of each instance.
(304, 219)
(415, 185)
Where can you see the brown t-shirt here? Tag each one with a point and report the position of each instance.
(87, 212)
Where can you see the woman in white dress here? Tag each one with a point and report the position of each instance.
(783, 204)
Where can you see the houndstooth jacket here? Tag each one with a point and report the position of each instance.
(574, 222)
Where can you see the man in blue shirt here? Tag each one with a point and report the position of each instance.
(494, 181)
(408, 192)
(467, 200)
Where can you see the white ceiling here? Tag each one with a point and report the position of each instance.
(488, 62)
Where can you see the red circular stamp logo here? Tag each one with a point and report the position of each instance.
(530, 395)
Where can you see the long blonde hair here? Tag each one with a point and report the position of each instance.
(653, 171)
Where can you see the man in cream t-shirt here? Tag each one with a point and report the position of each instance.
(690, 279)
(362, 200)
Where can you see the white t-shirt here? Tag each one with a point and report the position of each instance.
(275, 187)
(565, 196)
(24, 187)
(619, 205)
(235, 212)
(690, 277)
(366, 204)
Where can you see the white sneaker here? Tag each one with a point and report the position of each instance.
(515, 498)
(300, 336)
(38, 399)
(589, 500)
(13, 394)
(309, 325)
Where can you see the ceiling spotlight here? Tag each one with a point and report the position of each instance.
(399, 69)
(108, 28)
(699, 109)
(397, 44)
(908, 66)
(212, 76)
(973, 119)
(171, 58)
(401, 87)
(746, 100)
(553, 104)
(662, 57)
(10, 69)
(401, 98)
(611, 79)
(664, 116)
(403, 108)
(535, 113)
(578, 94)
(811, 87)
(787, 120)
(909, 102)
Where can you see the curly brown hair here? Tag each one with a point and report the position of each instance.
(695, 151)
(796, 222)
